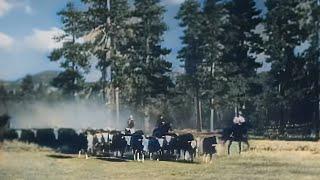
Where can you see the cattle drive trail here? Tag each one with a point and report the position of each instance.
(29, 161)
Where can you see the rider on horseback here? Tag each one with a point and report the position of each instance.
(237, 132)
(162, 127)
(130, 126)
(160, 121)
(239, 127)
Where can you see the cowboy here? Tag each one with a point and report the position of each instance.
(130, 122)
(160, 121)
(239, 120)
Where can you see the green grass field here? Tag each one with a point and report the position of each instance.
(24, 161)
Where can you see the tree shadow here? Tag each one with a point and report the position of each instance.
(187, 162)
(112, 159)
(59, 156)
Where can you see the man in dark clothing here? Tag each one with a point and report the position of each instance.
(160, 121)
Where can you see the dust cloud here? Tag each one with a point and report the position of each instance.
(77, 115)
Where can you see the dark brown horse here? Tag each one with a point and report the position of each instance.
(236, 133)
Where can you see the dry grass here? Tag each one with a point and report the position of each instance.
(267, 145)
(17, 146)
(21, 161)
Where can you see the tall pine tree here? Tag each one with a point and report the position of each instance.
(311, 80)
(285, 33)
(191, 19)
(211, 72)
(73, 55)
(148, 70)
(106, 27)
(242, 45)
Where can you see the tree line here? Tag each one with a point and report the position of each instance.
(221, 45)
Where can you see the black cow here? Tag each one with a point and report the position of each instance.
(82, 143)
(46, 137)
(118, 144)
(27, 135)
(185, 143)
(67, 140)
(4, 125)
(137, 147)
(154, 147)
(168, 145)
(209, 147)
(85, 143)
(11, 134)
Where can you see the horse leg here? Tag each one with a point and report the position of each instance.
(247, 143)
(206, 158)
(158, 155)
(239, 147)
(229, 145)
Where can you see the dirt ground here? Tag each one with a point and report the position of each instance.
(289, 160)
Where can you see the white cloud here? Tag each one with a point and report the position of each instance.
(42, 40)
(173, 2)
(28, 9)
(5, 7)
(6, 41)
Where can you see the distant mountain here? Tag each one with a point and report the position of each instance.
(44, 77)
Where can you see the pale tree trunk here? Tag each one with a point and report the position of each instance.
(200, 115)
(211, 116)
(117, 106)
(112, 95)
(281, 122)
(147, 57)
(146, 119)
(197, 102)
(212, 101)
(317, 84)
(108, 56)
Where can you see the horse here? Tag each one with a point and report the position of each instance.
(162, 130)
(237, 133)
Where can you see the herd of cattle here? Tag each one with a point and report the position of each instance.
(118, 143)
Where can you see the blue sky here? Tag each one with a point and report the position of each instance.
(27, 28)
